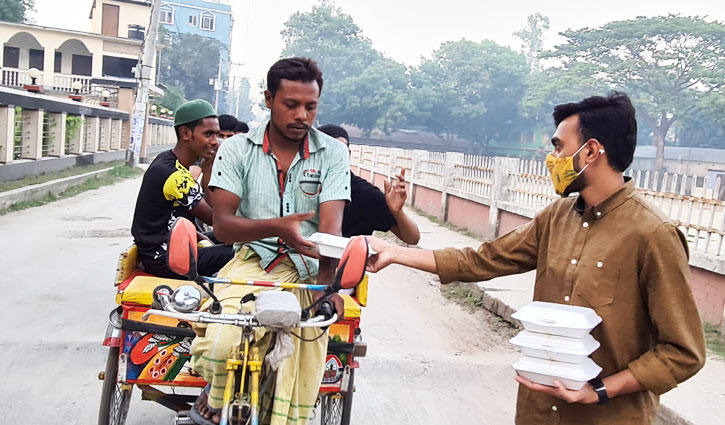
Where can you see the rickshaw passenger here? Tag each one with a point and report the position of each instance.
(168, 191)
(370, 209)
(272, 188)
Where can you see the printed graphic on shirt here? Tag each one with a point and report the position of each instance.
(181, 188)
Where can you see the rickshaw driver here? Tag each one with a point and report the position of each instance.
(272, 188)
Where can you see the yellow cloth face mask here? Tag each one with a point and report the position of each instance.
(562, 172)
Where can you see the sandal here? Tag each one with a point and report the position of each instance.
(196, 416)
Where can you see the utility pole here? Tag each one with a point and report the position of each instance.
(218, 86)
(145, 78)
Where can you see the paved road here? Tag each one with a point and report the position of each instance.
(429, 361)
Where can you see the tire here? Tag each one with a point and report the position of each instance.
(114, 399)
(336, 408)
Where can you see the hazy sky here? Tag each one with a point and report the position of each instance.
(404, 30)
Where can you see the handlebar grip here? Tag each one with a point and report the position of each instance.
(326, 309)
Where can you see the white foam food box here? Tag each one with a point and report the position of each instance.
(572, 375)
(557, 319)
(554, 347)
(331, 245)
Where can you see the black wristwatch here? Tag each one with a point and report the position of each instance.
(600, 389)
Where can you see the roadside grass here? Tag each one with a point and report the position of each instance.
(715, 341)
(116, 174)
(472, 302)
(42, 178)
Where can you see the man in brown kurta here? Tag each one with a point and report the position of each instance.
(607, 249)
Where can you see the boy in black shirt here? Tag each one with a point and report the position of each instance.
(168, 191)
(369, 208)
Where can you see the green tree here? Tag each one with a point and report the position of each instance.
(532, 39)
(471, 90)
(377, 98)
(173, 97)
(244, 103)
(330, 37)
(667, 64)
(15, 10)
(552, 86)
(188, 62)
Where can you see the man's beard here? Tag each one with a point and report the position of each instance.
(579, 184)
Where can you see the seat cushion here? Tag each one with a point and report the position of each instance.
(139, 287)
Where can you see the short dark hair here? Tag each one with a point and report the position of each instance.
(293, 69)
(335, 131)
(611, 120)
(190, 125)
(241, 127)
(227, 122)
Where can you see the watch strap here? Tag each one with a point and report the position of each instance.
(600, 389)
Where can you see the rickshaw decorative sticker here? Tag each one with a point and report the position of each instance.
(155, 357)
(333, 370)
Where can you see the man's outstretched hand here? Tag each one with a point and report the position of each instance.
(383, 257)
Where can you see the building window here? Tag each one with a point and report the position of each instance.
(167, 15)
(192, 20)
(208, 21)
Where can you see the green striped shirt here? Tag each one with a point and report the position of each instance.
(320, 172)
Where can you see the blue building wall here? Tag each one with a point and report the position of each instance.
(183, 9)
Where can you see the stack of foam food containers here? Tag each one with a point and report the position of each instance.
(556, 344)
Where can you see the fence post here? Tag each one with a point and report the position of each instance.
(7, 133)
(116, 129)
(449, 174)
(92, 127)
(104, 134)
(414, 165)
(503, 170)
(57, 134)
(32, 134)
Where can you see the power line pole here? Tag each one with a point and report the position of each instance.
(218, 86)
(145, 76)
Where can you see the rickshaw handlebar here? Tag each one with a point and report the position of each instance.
(234, 319)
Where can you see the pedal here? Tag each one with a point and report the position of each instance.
(359, 349)
(183, 418)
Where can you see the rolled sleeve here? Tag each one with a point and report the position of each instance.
(228, 172)
(446, 264)
(336, 183)
(679, 351)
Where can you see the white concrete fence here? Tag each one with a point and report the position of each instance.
(523, 187)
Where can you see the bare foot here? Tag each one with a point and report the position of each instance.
(203, 407)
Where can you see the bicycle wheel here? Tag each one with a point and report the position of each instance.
(336, 408)
(114, 399)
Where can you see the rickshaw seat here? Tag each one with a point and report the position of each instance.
(139, 288)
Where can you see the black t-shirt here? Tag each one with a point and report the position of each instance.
(168, 191)
(367, 210)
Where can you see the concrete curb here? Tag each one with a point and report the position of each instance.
(53, 187)
(665, 415)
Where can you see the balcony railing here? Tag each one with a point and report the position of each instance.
(13, 77)
(64, 83)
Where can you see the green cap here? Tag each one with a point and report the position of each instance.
(193, 110)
